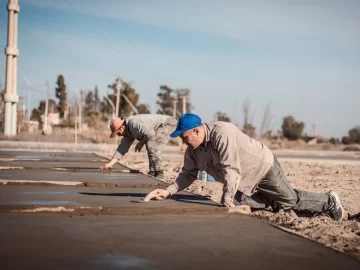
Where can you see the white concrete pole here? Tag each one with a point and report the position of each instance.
(46, 107)
(80, 110)
(80, 93)
(14, 77)
(10, 97)
(29, 92)
(75, 131)
(174, 108)
(118, 89)
(184, 104)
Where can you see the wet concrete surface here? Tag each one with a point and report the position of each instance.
(48, 164)
(116, 242)
(46, 155)
(120, 198)
(50, 160)
(94, 178)
(83, 227)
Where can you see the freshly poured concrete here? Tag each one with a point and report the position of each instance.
(97, 227)
(47, 155)
(34, 164)
(19, 195)
(49, 160)
(117, 242)
(104, 178)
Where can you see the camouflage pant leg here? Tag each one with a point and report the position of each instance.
(155, 146)
(151, 163)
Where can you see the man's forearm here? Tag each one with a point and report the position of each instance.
(113, 161)
(181, 183)
(232, 180)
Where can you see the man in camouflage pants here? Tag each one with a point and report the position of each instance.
(152, 130)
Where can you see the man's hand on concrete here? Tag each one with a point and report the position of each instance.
(106, 166)
(157, 194)
(229, 204)
(139, 146)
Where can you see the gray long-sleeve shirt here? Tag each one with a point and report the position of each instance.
(141, 127)
(230, 156)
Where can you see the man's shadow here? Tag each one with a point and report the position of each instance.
(197, 199)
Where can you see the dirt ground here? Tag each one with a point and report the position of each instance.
(101, 136)
(313, 175)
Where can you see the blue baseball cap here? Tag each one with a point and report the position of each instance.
(186, 121)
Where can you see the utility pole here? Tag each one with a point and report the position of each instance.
(174, 108)
(130, 104)
(184, 104)
(46, 107)
(75, 130)
(80, 109)
(80, 93)
(29, 92)
(118, 90)
(10, 97)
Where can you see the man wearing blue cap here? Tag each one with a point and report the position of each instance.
(248, 169)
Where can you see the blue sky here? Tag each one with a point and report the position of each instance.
(301, 56)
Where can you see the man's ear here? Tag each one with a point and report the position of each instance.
(196, 130)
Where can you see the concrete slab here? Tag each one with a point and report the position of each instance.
(123, 199)
(48, 164)
(108, 242)
(53, 227)
(91, 178)
(46, 155)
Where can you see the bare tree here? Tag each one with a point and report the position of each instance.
(248, 128)
(265, 123)
(221, 116)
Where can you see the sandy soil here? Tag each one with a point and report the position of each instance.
(319, 176)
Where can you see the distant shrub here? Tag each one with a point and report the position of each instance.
(345, 140)
(334, 140)
(292, 129)
(354, 134)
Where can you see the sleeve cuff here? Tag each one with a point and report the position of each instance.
(117, 155)
(228, 198)
(172, 189)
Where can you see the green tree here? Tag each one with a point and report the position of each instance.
(354, 134)
(89, 107)
(97, 102)
(129, 91)
(167, 96)
(143, 108)
(61, 94)
(292, 129)
(165, 102)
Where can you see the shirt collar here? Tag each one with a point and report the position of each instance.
(128, 127)
(207, 133)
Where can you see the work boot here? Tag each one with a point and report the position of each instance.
(335, 210)
(159, 175)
